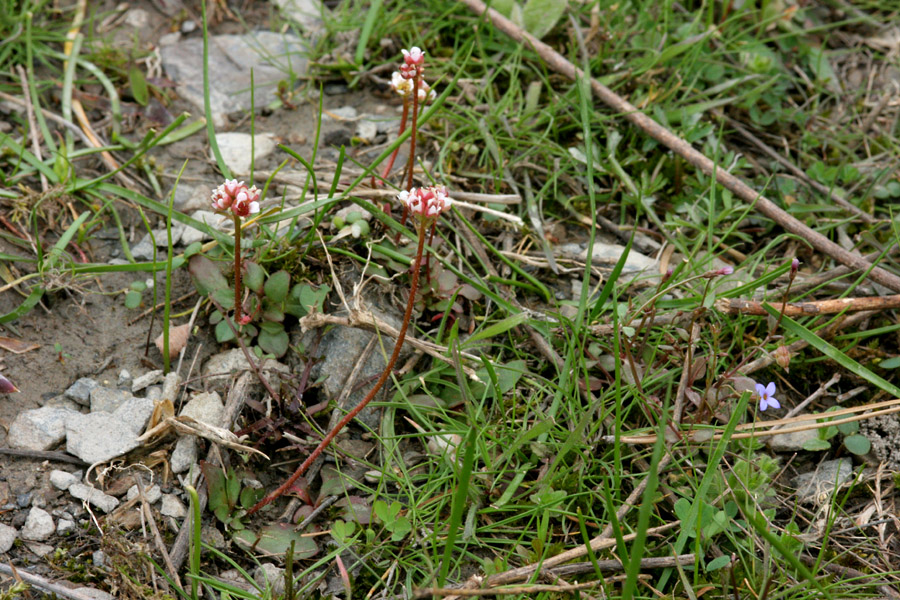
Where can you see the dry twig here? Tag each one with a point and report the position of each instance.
(681, 147)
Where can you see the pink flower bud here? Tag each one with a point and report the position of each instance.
(236, 196)
(795, 264)
(414, 56)
(427, 202)
(6, 386)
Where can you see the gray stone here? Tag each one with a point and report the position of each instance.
(105, 399)
(152, 493)
(146, 380)
(124, 379)
(99, 437)
(206, 407)
(93, 496)
(172, 507)
(61, 480)
(306, 13)
(270, 576)
(154, 393)
(170, 387)
(39, 549)
(214, 220)
(342, 113)
(135, 413)
(218, 370)
(340, 350)
(609, 254)
(211, 536)
(143, 250)
(80, 391)
(39, 428)
(38, 525)
(818, 486)
(184, 455)
(64, 526)
(366, 130)
(94, 593)
(791, 442)
(99, 558)
(235, 150)
(270, 55)
(7, 537)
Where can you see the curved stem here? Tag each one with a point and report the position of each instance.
(237, 270)
(413, 285)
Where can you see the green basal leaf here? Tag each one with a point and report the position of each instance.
(138, 86)
(857, 444)
(254, 276)
(132, 299)
(224, 332)
(277, 286)
(273, 343)
(816, 445)
(206, 275)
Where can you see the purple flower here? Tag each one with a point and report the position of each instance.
(766, 395)
(795, 264)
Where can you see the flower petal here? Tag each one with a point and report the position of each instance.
(770, 389)
(774, 403)
(761, 390)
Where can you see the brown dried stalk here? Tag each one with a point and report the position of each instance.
(559, 63)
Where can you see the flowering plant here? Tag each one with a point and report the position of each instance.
(235, 198)
(766, 395)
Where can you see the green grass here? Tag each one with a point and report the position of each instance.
(536, 469)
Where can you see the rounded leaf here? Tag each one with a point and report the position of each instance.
(224, 332)
(206, 275)
(857, 444)
(277, 286)
(254, 276)
(273, 343)
(132, 299)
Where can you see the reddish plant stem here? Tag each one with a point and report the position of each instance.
(413, 285)
(237, 270)
(390, 164)
(415, 130)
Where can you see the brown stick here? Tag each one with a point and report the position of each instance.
(736, 306)
(678, 145)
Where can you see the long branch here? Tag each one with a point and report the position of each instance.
(413, 285)
(681, 147)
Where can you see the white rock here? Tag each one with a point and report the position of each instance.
(80, 391)
(98, 437)
(818, 486)
(152, 493)
(306, 13)
(40, 428)
(137, 18)
(61, 480)
(39, 549)
(206, 407)
(184, 455)
(7, 537)
(146, 380)
(170, 387)
(235, 150)
(64, 526)
(107, 399)
(38, 526)
(791, 442)
(135, 413)
(220, 368)
(93, 496)
(124, 379)
(172, 507)
(214, 220)
(366, 130)
(270, 576)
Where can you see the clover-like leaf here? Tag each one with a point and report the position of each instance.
(132, 299)
(857, 444)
